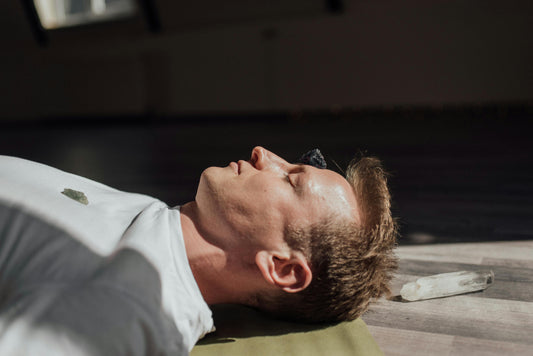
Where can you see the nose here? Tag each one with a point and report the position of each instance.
(264, 159)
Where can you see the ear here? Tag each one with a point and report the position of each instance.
(291, 273)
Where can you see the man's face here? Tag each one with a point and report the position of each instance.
(259, 198)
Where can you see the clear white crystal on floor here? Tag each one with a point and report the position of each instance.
(446, 284)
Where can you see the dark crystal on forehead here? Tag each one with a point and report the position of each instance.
(313, 158)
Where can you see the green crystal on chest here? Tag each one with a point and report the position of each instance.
(76, 195)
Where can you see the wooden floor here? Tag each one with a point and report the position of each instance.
(497, 321)
(459, 176)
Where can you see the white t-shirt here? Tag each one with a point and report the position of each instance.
(87, 269)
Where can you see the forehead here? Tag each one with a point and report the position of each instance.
(327, 192)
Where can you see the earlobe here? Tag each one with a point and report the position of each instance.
(289, 273)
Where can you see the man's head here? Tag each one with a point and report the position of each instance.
(352, 262)
(307, 228)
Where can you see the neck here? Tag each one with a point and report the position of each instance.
(220, 275)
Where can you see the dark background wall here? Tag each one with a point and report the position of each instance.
(441, 90)
(244, 56)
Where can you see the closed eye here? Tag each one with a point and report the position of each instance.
(294, 177)
(288, 178)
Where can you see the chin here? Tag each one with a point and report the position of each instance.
(210, 183)
(209, 177)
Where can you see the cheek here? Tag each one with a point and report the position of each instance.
(258, 198)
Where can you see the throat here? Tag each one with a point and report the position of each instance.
(222, 272)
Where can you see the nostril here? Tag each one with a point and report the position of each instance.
(258, 154)
(253, 158)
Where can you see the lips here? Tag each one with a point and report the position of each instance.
(240, 164)
(235, 167)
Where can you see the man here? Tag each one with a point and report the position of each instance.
(86, 269)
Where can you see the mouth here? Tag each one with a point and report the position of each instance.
(235, 167)
(240, 165)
